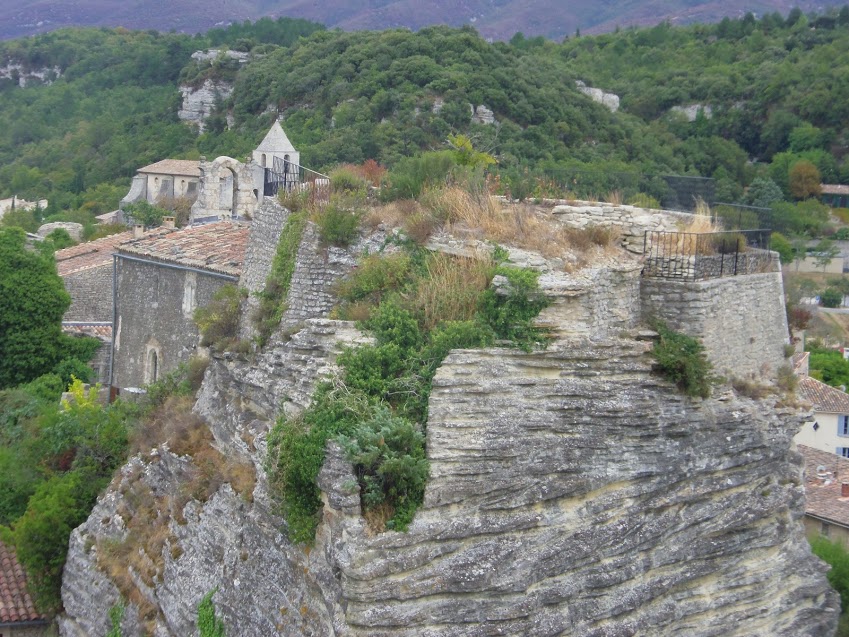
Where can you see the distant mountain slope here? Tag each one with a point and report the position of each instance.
(498, 19)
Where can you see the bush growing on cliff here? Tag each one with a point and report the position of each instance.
(681, 359)
(377, 407)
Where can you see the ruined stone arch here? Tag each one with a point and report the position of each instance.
(209, 203)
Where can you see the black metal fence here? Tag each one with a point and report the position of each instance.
(689, 256)
(288, 176)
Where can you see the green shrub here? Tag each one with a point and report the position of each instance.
(412, 174)
(642, 200)
(208, 623)
(389, 460)
(344, 180)
(510, 313)
(175, 383)
(376, 275)
(681, 359)
(831, 297)
(337, 226)
(116, 616)
(218, 321)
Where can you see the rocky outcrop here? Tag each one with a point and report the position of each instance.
(691, 111)
(609, 100)
(25, 76)
(572, 491)
(483, 115)
(73, 229)
(199, 103)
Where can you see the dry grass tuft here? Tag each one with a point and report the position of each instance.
(614, 197)
(137, 561)
(450, 290)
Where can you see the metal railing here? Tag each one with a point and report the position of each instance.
(735, 216)
(689, 256)
(288, 176)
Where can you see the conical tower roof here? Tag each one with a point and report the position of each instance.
(276, 141)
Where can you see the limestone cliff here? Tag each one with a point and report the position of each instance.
(572, 492)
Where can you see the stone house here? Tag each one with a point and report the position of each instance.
(164, 180)
(829, 430)
(160, 279)
(86, 270)
(827, 494)
(18, 615)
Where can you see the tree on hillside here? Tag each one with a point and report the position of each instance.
(32, 302)
(804, 180)
(763, 192)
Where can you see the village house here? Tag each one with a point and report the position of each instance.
(829, 430)
(18, 614)
(86, 271)
(827, 494)
(161, 277)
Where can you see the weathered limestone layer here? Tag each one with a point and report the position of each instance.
(573, 493)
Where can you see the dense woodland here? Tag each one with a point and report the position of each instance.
(775, 88)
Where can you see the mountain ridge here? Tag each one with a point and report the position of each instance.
(495, 19)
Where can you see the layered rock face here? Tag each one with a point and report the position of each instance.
(572, 491)
(199, 103)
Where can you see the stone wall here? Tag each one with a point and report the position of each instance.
(741, 320)
(151, 316)
(91, 294)
(268, 222)
(633, 222)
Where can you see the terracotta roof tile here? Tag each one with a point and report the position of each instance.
(217, 247)
(91, 254)
(824, 496)
(16, 605)
(823, 397)
(98, 330)
(184, 167)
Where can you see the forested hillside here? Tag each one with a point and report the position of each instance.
(771, 91)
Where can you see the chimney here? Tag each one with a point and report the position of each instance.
(138, 230)
(844, 489)
(168, 222)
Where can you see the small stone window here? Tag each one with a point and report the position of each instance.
(152, 362)
(825, 529)
(190, 286)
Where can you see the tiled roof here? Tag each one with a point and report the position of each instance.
(824, 495)
(91, 254)
(834, 189)
(98, 330)
(218, 247)
(823, 397)
(183, 167)
(15, 602)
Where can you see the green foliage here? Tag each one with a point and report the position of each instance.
(389, 459)
(116, 616)
(345, 181)
(378, 406)
(681, 359)
(272, 300)
(836, 556)
(218, 321)
(337, 224)
(831, 297)
(510, 311)
(146, 214)
(780, 244)
(208, 623)
(828, 365)
(763, 192)
(412, 175)
(32, 303)
(175, 383)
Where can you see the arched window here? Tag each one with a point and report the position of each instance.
(263, 160)
(153, 365)
(152, 362)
